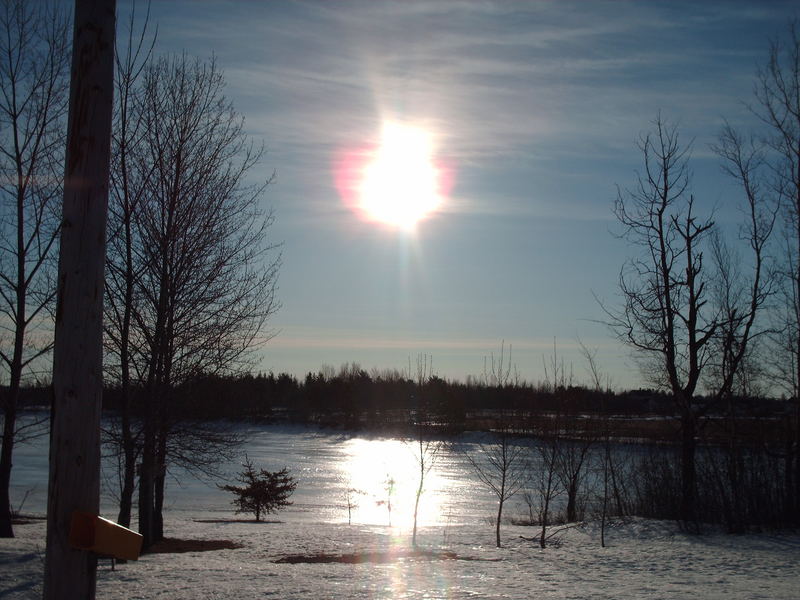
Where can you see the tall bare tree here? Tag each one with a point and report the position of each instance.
(129, 179)
(665, 314)
(33, 100)
(740, 292)
(691, 323)
(206, 273)
(777, 92)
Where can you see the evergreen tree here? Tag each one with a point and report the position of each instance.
(261, 491)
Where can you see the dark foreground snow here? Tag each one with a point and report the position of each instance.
(643, 560)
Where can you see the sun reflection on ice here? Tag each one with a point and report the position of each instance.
(383, 476)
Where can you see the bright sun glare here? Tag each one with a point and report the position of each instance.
(398, 183)
(400, 186)
(382, 475)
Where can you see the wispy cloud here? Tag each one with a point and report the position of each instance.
(497, 79)
(386, 340)
(536, 105)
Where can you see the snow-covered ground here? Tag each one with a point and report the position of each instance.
(643, 560)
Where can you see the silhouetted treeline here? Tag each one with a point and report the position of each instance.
(357, 399)
(354, 398)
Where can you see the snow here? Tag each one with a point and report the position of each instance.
(643, 560)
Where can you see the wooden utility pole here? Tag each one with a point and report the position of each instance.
(78, 353)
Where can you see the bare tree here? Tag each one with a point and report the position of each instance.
(206, 273)
(599, 381)
(689, 322)
(351, 500)
(572, 459)
(33, 101)
(129, 180)
(665, 315)
(545, 481)
(741, 294)
(427, 449)
(571, 437)
(497, 370)
(607, 468)
(777, 92)
(500, 465)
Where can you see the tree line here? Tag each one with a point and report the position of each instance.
(357, 399)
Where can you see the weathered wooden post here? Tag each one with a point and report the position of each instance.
(78, 355)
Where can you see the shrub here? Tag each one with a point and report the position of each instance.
(261, 492)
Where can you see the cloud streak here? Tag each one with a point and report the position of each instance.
(536, 104)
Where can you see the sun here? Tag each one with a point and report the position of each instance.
(399, 182)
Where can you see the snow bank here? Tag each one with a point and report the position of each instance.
(643, 560)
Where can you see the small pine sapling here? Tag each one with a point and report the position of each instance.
(262, 491)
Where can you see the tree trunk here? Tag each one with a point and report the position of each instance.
(74, 482)
(9, 423)
(735, 464)
(497, 525)
(688, 473)
(15, 375)
(604, 508)
(147, 474)
(503, 494)
(572, 494)
(128, 449)
(788, 477)
(544, 519)
(615, 488)
(128, 475)
(129, 460)
(796, 508)
(416, 512)
(154, 400)
(160, 482)
(419, 489)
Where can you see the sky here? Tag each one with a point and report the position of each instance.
(531, 111)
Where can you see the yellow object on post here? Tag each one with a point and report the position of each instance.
(104, 537)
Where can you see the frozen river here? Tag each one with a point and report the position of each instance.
(642, 559)
(332, 469)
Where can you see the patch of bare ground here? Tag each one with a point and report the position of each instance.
(380, 557)
(26, 519)
(252, 521)
(175, 546)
